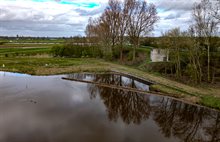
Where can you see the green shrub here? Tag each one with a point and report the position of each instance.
(57, 51)
(108, 56)
(130, 55)
(161, 67)
(76, 51)
(116, 53)
(2, 42)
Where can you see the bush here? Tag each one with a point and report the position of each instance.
(57, 51)
(77, 51)
(130, 55)
(161, 67)
(108, 56)
(2, 42)
(116, 53)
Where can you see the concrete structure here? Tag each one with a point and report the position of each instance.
(159, 55)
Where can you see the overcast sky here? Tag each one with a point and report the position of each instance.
(58, 18)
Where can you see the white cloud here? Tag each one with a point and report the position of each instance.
(28, 17)
(51, 18)
(173, 13)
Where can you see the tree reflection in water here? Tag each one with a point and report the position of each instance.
(112, 79)
(129, 106)
(187, 122)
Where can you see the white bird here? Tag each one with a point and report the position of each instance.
(3, 65)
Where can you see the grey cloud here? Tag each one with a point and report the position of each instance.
(173, 16)
(35, 26)
(173, 13)
(168, 5)
(18, 19)
(88, 13)
(38, 23)
(6, 14)
(93, 12)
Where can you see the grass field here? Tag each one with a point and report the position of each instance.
(31, 40)
(25, 60)
(11, 52)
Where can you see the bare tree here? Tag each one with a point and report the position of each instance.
(172, 39)
(141, 21)
(216, 10)
(194, 55)
(91, 31)
(89, 28)
(106, 27)
(133, 17)
(111, 18)
(99, 31)
(205, 25)
(124, 15)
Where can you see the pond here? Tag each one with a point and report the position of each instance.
(51, 109)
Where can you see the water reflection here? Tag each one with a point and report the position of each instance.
(67, 111)
(113, 79)
(181, 120)
(176, 119)
(131, 107)
(13, 74)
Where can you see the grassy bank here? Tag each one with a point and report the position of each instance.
(47, 66)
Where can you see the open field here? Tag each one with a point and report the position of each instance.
(31, 40)
(49, 66)
(10, 52)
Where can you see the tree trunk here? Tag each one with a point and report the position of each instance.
(167, 52)
(121, 51)
(178, 63)
(121, 54)
(208, 67)
(134, 49)
(134, 54)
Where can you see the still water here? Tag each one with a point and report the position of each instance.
(49, 109)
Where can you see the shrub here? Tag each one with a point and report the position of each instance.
(161, 67)
(2, 42)
(77, 51)
(116, 53)
(130, 55)
(108, 56)
(57, 50)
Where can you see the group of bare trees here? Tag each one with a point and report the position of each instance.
(192, 52)
(206, 18)
(199, 43)
(128, 18)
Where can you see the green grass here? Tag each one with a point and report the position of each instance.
(168, 90)
(26, 40)
(210, 101)
(29, 45)
(41, 66)
(23, 51)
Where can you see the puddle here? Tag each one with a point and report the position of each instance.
(49, 109)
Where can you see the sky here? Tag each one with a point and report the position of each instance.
(65, 18)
